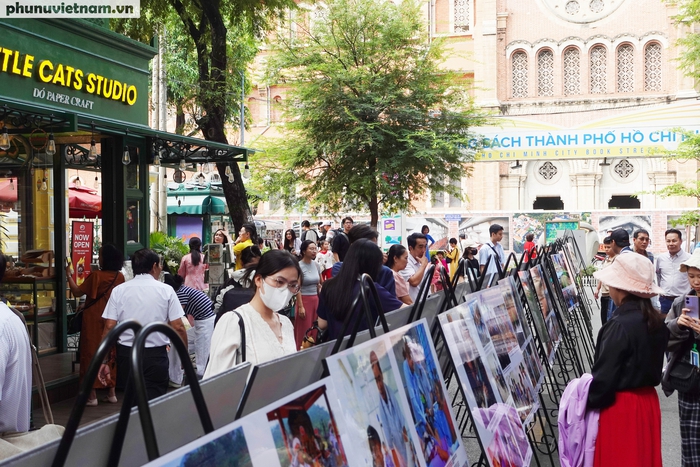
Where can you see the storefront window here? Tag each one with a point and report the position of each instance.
(132, 221)
(132, 175)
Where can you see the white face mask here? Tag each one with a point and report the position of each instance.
(274, 298)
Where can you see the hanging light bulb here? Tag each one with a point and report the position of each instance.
(126, 157)
(93, 148)
(31, 169)
(183, 164)
(77, 182)
(4, 138)
(51, 146)
(228, 171)
(207, 169)
(97, 182)
(44, 185)
(246, 171)
(12, 186)
(156, 159)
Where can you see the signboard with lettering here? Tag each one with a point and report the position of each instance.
(78, 67)
(639, 134)
(81, 246)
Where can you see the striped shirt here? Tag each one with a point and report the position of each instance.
(195, 302)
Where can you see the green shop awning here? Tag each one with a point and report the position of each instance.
(197, 205)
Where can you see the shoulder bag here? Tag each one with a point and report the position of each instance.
(310, 340)
(680, 375)
(241, 326)
(76, 324)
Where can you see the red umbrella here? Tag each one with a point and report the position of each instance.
(83, 202)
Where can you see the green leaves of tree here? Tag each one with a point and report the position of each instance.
(374, 121)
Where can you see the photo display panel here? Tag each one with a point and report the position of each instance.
(302, 429)
(546, 307)
(499, 399)
(568, 287)
(394, 402)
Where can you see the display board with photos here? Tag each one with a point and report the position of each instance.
(566, 281)
(394, 402)
(534, 281)
(500, 399)
(302, 429)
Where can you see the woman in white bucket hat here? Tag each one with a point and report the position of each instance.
(685, 332)
(629, 358)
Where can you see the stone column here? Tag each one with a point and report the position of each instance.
(660, 180)
(512, 186)
(586, 191)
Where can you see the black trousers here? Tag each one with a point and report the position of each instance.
(604, 305)
(155, 369)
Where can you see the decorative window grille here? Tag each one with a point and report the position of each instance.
(545, 73)
(519, 74)
(572, 72)
(652, 67)
(623, 168)
(625, 68)
(572, 7)
(599, 57)
(596, 6)
(548, 170)
(462, 15)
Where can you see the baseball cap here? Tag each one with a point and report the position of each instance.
(620, 237)
(324, 223)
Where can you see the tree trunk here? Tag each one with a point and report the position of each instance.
(374, 211)
(214, 122)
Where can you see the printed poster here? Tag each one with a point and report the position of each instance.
(296, 431)
(81, 249)
(496, 398)
(395, 403)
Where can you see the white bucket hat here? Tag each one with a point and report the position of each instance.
(632, 273)
(692, 262)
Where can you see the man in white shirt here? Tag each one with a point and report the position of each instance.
(417, 263)
(493, 250)
(15, 369)
(671, 279)
(146, 300)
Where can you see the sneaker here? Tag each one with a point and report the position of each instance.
(173, 384)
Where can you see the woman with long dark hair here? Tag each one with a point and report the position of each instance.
(192, 265)
(337, 294)
(98, 288)
(291, 243)
(629, 357)
(396, 260)
(269, 335)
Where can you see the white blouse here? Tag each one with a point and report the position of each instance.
(261, 343)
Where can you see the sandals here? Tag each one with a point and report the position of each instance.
(110, 399)
(91, 403)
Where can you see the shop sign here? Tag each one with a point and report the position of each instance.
(81, 246)
(643, 133)
(55, 74)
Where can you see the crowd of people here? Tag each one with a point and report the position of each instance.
(280, 294)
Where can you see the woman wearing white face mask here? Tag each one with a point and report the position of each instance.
(269, 335)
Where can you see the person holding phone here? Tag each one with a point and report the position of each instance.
(684, 326)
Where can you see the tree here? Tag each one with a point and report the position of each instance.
(204, 27)
(373, 121)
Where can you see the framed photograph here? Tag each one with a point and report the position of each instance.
(396, 403)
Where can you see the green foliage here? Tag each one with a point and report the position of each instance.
(374, 121)
(690, 43)
(172, 249)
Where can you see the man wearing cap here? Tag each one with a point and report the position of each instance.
(673, 282)
(620, 241)
(325, 232)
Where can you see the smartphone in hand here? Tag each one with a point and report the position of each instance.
(692, 304)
